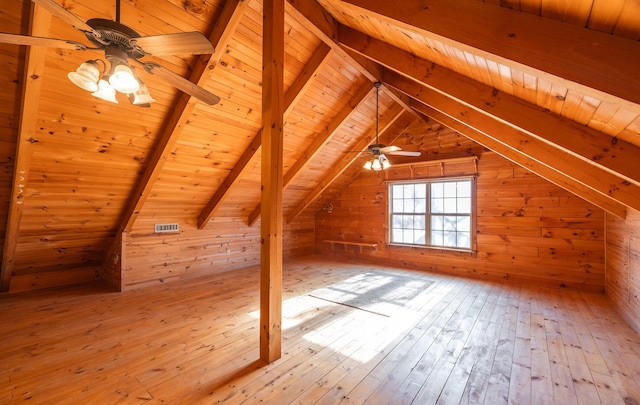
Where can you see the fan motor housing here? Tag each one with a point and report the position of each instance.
(115, 34)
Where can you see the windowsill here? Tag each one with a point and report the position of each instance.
(440, 248)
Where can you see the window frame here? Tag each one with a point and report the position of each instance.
(428, 181)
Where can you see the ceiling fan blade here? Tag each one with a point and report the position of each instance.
(62, 13)
(174, 44)
(183, 84)
(404, 153)
(387, 149)
(40, 41)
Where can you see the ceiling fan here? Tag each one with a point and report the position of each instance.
(121, 44)
(378, 150)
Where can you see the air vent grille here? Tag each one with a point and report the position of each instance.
(163, 228)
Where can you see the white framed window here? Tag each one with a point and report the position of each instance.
(432, 213)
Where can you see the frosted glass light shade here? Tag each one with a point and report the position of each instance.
(86, 76)
(141, 97)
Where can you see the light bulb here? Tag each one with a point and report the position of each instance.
(367, 165)
(123, 80)
(376, 165)
(105, 92)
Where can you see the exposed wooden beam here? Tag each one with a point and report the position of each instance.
(565, 169)
(594, 63)
(221, 33)
(325, 27)
(525, 127)
(232, 178)
(559, 179)
(29, 103)
(320, 57)
(320, 141)
(592, 146)
(271, 190)
(340, 168)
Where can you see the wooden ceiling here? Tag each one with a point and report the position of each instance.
(551, 85)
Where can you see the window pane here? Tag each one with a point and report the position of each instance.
(450, 205)
(437, 190)
(450, 223)
(419, 235)
(450, 239)
(421, 190)
(437, 222)
(408, 206)
(397, 191)
(418, 222)
(464, 224)
(437, 238)
(464, 239)
(437, 206)
(396, 221)
(421, 205)
(409, 191)
(407, 236)
(398, 205)
(396, 236)
(464, 188)
(464, 206)
(450, 189)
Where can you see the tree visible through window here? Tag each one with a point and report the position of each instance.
(431, 213)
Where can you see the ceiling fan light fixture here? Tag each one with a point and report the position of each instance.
(86, 76)
(141, 97)
(123, 80)
(105, 92)
(379, 162)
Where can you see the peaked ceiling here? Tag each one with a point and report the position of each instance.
(551, 85)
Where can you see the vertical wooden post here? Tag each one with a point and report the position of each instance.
(271, 198)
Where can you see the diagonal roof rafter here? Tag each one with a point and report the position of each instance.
(32, 85)
(338, 169)
(591, 62)
(320, 141)
(520, 147)
(596, 164)
(320, 57)
(592, 146)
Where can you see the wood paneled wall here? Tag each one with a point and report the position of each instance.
(227, 244)
(528, 229)
(623, 266)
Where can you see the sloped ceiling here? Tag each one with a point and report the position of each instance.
(551, 85)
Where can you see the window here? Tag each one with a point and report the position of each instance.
(431, 213)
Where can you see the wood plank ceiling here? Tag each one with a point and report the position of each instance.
(550, 85)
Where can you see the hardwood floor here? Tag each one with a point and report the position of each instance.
(458, 341)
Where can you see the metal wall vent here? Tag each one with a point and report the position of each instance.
(162, 228)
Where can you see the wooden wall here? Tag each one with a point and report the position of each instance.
(528, 229)
(623, 266)
(227, 244)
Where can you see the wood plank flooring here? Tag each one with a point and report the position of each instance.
(458, 341)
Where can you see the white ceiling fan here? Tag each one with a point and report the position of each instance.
(121, 45)
(378, 150)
